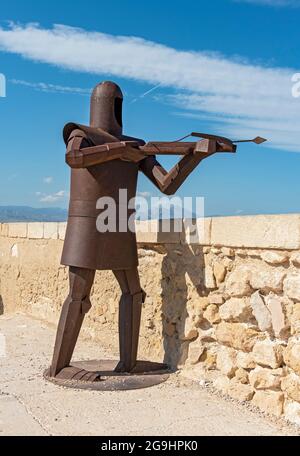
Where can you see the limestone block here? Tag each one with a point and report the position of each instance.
(295, 319)
(245, 360)
(273, 257)
(268, 401)
(226, 361)
(143, 253)
(211, 314)
(228, 263)
(146, 231)
(243, 252)
(215, 298)
(288, 306)
(227, 251)
(237, 282)
(209, 358)
(291, 286)
(260, 312)
(237, 335)
(196, 231)
(292, 412)
(266, 277)
(221, 383)
(242, 376)
(209, 278)
(268, 353)
(279, 323)
(62, 226)
(235, 310)
(196, 349)
(14, 251)
(239, 391)
(295, 258)
(291, 355)
(201, 303)
(158, 231)
(259, 231)
(17, 230)
(207, 335)
(261, 378)
(4, 229)
(219, 272)
(291, 385)
(35, 230)
(51, 230)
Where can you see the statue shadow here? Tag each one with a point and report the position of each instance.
(1, 306)
(182, 281)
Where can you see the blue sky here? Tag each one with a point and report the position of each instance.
(223, 66)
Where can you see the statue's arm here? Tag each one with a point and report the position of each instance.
(169, 181)
(81, 153)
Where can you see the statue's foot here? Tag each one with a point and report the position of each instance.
(77, 374)
(121, 367)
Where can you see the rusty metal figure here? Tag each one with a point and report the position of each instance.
(103, 161)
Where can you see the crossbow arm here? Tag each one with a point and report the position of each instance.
(205, 146)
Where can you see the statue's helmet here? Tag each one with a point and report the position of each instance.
(106, 108)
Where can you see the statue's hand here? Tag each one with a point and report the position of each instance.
(132, 153)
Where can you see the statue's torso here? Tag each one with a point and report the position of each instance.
(84, 245)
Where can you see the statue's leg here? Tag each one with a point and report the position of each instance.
(129, 317)
(73, 311)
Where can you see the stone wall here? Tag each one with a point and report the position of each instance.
(224, 307)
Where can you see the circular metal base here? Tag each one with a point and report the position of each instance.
(145, 374)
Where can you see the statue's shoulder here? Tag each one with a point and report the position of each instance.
(72, 128)
(96, 136)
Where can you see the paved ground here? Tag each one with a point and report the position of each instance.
(31, 406)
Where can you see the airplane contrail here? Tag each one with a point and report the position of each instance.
(146, 93)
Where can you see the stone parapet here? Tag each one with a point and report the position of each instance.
(223, 304)
(258, 231)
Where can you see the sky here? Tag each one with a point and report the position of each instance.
(222, 67)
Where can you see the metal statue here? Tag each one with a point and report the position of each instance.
(103, 161)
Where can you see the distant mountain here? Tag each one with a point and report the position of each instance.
(32, 214)
(57, 214)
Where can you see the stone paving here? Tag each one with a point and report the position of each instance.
(31, 406)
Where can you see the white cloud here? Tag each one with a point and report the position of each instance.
(52, 198)
(51, 88)
(48, 180)
(269, 117)
(240, 98)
